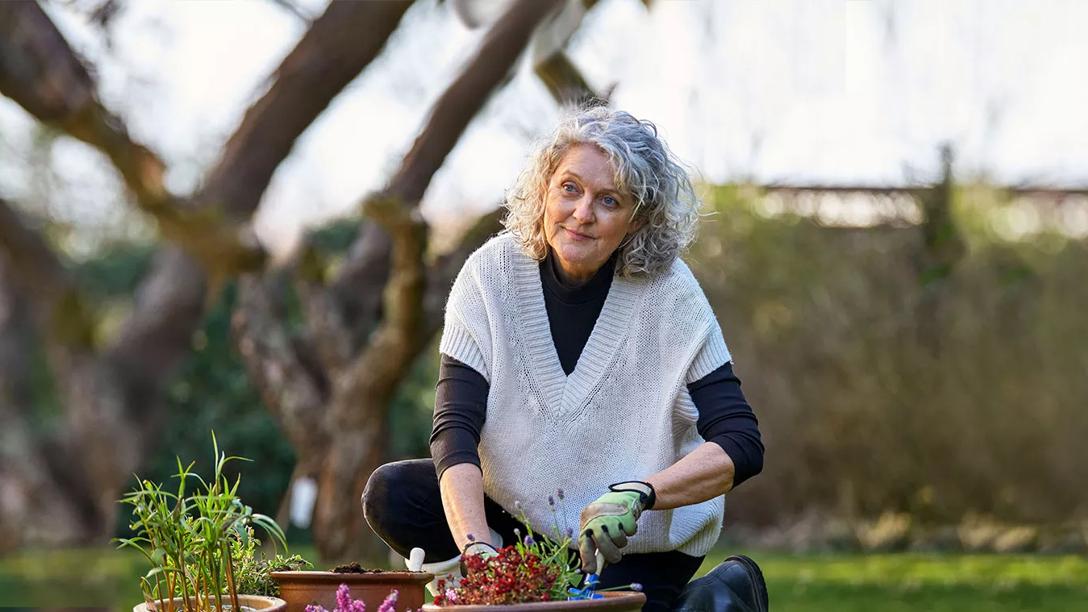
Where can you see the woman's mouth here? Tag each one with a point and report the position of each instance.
(576, 235)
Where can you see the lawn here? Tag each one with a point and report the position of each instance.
(839, 582)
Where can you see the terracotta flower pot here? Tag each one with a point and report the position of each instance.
(256, 602)
(300, 589)
(614, 601)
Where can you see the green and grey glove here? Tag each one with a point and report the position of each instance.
(610, 520)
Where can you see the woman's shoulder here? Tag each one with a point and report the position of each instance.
(676, 289)
(499, 247)
(678, 278)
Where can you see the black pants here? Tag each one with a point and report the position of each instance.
(403, 505)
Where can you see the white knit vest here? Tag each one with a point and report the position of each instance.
(624, 413)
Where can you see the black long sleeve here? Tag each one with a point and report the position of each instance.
(726, 419)
(460, 409)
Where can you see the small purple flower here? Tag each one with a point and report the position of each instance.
(529, 540)
(561, 496)
(344, 602)
(569, 531)
(343, 598)
(390, 603)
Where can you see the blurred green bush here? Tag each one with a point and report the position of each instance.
(879, 392)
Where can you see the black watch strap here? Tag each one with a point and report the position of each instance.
(644, 489)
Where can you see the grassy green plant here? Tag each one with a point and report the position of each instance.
(187, 536)
(253, 574)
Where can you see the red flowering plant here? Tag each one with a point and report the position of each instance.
(534, 568)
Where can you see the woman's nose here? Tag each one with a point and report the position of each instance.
(583, 209)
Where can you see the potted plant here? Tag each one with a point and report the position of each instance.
(187, 536)
(301, 589)
(534, 573)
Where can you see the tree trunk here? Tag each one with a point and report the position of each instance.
(354, 452)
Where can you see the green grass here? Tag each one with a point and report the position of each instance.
(839, 582)
(930, 582)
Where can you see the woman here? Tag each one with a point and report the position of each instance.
(580, 355)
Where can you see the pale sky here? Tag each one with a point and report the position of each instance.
(794, 91)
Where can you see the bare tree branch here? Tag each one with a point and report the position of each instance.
(116, 394)
(40, 71)
(343, 41)
(452, 112)
(396, 341)
(274, 367)
(564, 81)
(445, 269)
(465, 97)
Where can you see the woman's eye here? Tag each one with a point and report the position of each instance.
(610, 201)
(569, 187)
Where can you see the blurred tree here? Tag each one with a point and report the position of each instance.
(326, 343)
(111, 387)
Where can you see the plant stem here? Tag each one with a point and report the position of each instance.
(230, 579)
(184, 581)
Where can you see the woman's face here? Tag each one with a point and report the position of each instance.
(585, 215)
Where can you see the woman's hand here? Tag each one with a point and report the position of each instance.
(610, 520)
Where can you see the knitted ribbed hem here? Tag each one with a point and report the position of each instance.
(703, 541)
(712, 356)
(459, 344)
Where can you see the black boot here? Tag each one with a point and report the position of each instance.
(736, 585)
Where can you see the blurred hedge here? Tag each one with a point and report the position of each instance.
(975, 406)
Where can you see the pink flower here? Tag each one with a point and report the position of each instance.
(390, 603)
(343, 598)
(344, 602)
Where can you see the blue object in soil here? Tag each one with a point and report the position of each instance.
(588, 591)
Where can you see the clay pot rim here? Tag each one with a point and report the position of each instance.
(350, 577)
(610, 600)
(275, 603)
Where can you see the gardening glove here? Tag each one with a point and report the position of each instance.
(483, 549)
(479, 549)
(607, 522)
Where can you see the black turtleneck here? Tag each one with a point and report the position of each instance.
(725, 417)
(573, 309)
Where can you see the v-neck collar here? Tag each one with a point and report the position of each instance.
(564, 393)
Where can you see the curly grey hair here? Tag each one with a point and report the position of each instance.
(666, 208)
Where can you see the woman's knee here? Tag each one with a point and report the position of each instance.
(389, 485)
(376, 493)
